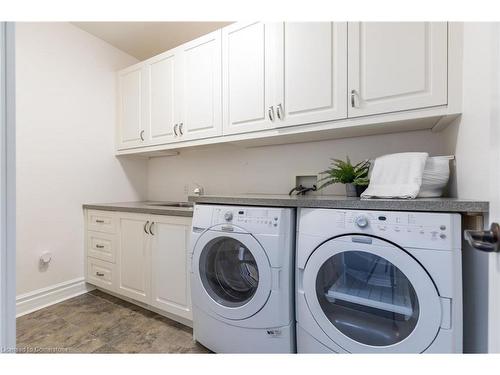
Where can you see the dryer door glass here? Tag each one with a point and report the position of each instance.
(367, 298)
(229, 272)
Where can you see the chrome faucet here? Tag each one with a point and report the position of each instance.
(198, 190)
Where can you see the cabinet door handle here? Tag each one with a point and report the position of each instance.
(99, 221)
(180, 128)
(270, 112)
(354, 93)
(145, 225)
(99, 246)
(100, 274)
(151, 228)
(175, 129)
(142, 135)
(279, 109)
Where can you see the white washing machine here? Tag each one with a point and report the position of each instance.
(242, 284)
(378, 282)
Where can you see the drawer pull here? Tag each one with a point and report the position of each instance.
(100, 274)
(99, 221)
(99, 246)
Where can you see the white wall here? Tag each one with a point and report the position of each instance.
(229, 169)
(65, 138)
(475, 140)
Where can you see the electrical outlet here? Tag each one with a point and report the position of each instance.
(186, 189)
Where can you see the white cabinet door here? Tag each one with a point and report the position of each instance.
(131, 107)
(311, 72)
(133, 261)
(201, 105)
(247, 62)
(169, 256)
(396, 66)
(163, 97)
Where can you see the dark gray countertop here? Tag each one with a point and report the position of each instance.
(146, 207)
(341, 202)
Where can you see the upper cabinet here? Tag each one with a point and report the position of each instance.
(163, 97)
(296, 81)
(248, 54)
(310, 72)
(201, 98)
(283, 74)
(131, 107)
(175, 96)
(396, 66)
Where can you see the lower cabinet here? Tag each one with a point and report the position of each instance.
(134, 263)
(169, 261)
(142, 257)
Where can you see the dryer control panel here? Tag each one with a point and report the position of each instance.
(411, 229)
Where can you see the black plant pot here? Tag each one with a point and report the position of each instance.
(360, 189)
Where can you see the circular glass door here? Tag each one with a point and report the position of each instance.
(371, 297)
(231, 274)
(367, 298)
(229, 271)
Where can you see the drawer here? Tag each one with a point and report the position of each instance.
(101, 246)
(101, 274)
(101, 221)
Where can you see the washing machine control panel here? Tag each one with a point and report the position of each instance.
(252, 219)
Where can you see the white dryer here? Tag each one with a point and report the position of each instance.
(378, 282)
(242, 285)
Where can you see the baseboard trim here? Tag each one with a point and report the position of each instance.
(38, 299)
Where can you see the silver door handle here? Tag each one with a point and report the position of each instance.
(175, 129)
(279, 110)
(99, 246)
(100, 274)
(180, 128)
(142, 135)
(145, 225)
(151, 228)
(484, 240)
(99, 221)
(270, 112)
(354, 93)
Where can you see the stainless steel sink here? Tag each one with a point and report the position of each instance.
(171, 204)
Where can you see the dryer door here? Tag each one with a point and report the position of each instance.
(371, 297)
(232, 274)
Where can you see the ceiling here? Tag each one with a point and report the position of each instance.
(146, 39)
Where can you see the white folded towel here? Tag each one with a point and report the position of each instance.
(396, 176)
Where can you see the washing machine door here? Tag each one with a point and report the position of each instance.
(232, 274)
(372, 296)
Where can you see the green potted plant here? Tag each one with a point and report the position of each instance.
(355, 177)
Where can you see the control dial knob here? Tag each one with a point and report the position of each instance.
(362, 221)
(228, 216)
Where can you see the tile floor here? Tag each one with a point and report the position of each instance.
(96, 322)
